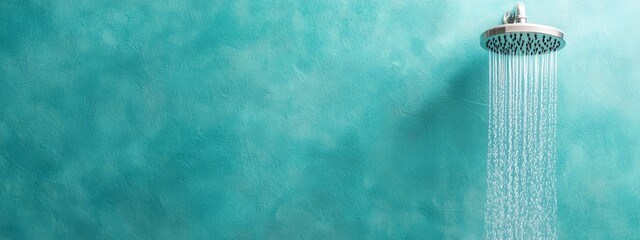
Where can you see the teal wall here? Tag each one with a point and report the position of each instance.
(295, 119)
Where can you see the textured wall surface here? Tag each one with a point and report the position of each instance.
(295, 119)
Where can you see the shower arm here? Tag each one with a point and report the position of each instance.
(517, 15)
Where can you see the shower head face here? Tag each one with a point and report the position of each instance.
(522, 38)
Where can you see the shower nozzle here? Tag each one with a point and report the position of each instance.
(516, 36)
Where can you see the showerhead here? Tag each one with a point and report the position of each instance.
(516, 36)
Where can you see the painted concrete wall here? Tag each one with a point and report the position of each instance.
(295, 119)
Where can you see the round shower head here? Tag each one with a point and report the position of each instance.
(522, 38)
(516, 36)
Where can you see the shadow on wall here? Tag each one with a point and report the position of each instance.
(437, 158)
(418, 180)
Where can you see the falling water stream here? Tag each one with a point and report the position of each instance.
(521, 191)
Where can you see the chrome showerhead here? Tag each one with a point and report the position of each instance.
(516, 36)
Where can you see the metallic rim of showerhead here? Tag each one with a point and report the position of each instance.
(522, 28)
(515, 24)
